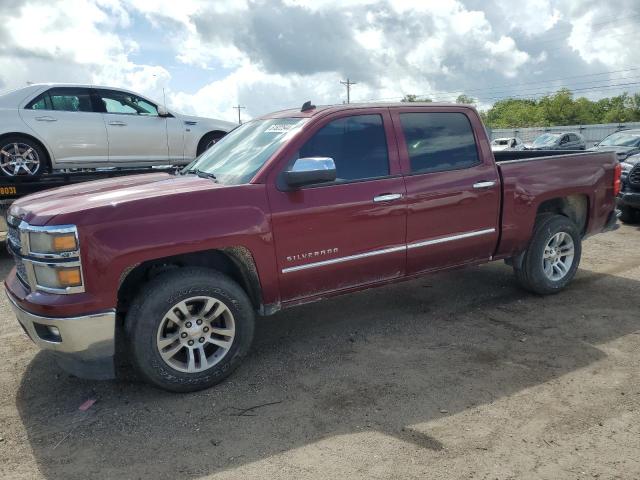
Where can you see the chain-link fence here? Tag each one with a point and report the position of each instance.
(591, 133)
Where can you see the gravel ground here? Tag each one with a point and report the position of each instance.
(457, 375)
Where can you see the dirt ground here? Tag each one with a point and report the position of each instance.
(457, 375)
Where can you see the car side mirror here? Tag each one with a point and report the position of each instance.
(162, 111)
(310, 170)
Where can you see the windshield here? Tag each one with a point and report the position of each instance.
(622, 139)
(546, 139)
(239, 155)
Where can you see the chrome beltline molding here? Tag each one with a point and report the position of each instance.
(384, 251)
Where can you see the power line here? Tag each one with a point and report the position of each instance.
(538, 83)
(239, 107)
(348, 84)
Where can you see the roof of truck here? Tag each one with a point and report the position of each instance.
(297, 112)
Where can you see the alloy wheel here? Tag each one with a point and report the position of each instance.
(558, 256)
(196, 334)
(19, 159)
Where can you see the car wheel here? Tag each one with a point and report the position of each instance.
(189, 328)
(628, 214)
(22, 157)
(208, 141)
(552, 258)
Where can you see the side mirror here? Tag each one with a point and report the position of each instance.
(310, 170)
(162, 111)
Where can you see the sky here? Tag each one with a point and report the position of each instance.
(209, 56)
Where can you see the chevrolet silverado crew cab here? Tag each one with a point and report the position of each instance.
(287, 209)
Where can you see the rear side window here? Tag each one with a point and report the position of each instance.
(70, 99)
(357, 145)
(64, 100)
(438, 141)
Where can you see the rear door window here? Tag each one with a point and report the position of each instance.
(70, 99)
(63, 99)
(439, 141)
(357, 144)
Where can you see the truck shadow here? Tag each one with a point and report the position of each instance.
(383, 360)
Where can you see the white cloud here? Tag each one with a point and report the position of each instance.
(278, 54)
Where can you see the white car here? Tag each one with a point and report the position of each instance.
(48, 127)
(509, 143)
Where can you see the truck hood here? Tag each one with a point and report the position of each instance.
(40, 208)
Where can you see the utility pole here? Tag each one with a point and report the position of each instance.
(348, 84)
(239, 107)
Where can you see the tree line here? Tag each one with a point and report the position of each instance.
(561, 108)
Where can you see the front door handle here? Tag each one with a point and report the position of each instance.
(117, 123)
(46, 118)
(387, 197)
(487, 184)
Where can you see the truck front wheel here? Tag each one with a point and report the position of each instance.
(553, 256)
(189, 328)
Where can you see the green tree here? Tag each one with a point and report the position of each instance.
(562, 109)
(415, 98)
(462, 98)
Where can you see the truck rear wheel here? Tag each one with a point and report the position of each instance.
(189, 328)
(553, 256)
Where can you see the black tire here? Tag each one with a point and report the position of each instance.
(43, 157)
(530, 273)
(151, 305)
(628, 214)
(208, 140)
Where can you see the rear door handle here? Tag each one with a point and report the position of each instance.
(46, 119)
(387, 197)
(117, 123)
(487, 184)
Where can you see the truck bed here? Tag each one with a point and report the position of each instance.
(520, 155)
(532, 177)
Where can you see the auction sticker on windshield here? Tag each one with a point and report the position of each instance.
(279, 128)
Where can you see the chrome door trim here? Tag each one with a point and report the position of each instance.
(344, 259)
(451, 238)
(384, 251)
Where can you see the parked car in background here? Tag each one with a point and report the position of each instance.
(559, 141)
(46, 127)
(624, 143)
(629, 198)
(288, 209)
(508, 143)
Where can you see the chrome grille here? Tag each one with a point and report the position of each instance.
(14, 236)
(634, 175)
(20, 269)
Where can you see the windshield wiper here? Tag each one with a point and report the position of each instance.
(200, 173)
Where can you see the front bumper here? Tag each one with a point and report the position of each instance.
(628, 199)
(84, 346)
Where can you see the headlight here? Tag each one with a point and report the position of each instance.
(53, 242)
(57, 276)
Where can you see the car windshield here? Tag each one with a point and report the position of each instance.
(546, 139)
(622, 139)
(239, 155)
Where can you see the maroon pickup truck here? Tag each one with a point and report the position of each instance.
(287, 209)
